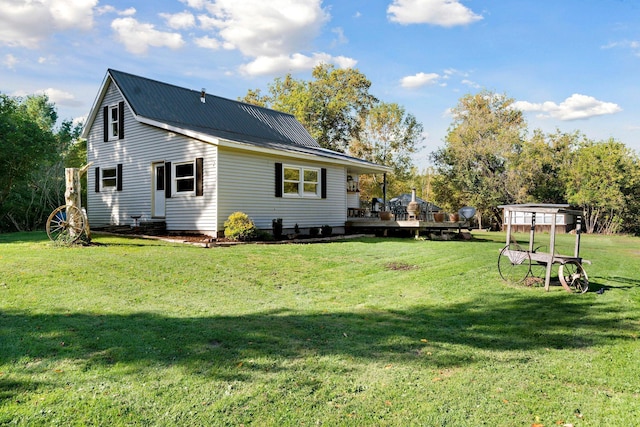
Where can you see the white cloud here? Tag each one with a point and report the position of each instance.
(195, 4)
(72, 13)
(445, 13)
(110, 9)
(208, 43)
(60, 97)
(105, 9)
(179, 21)
(470, 83)
(10, 61)
(575, 107)
(25, 23)
(137, 37)
(260, 28)
(419, 80)
(340, 37)
(631, 45)
(276, 35)
(291, 63)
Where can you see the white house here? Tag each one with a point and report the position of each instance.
(189, 159)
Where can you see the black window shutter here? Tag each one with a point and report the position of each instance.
(278, 179)
(167, 180)
(199, 177)
(97, 181)
(119, 177)
(121, 120)
(323, 182)
(105, 113)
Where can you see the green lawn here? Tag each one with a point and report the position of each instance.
(362, 332)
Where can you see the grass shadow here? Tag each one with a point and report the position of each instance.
(624, 280)
(442, 336)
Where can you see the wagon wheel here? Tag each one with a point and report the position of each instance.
(65, 224)
(572, 274)
(514, 263)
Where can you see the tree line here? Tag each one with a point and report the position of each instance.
(34, 150)
(488, 157)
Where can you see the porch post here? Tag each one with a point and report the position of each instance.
(576, 249)
(384, 190)
(532, 232)
(552, 250)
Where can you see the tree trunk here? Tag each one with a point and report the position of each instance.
(73, 194)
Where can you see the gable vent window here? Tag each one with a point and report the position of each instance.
(114, 121)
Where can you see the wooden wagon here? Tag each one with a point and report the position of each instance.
(517, 264)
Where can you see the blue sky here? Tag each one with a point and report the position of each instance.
(569, 64)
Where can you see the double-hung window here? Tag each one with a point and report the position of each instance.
(301, 181)
(109, 178)
(185, 177)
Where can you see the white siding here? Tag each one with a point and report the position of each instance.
(142, 145)
(248, 185)
(247, 181)
(524, 218)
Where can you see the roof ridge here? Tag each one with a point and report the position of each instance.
(156, 81)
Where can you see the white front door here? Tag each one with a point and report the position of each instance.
(158, 190)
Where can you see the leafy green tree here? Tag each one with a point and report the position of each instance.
(603, 180)
(330, 106)
(31, 160)
(631, 212)
(389, 137)
(540, 167)
(486, 134)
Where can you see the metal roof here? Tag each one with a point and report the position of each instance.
(227, 121)
(181, 107)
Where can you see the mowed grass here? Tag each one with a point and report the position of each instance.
(361, 332)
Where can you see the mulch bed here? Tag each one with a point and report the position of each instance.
(208, 241)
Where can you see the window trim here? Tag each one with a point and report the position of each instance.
(302, 194)
(117, 178)
(113, 176)
(175, 178)
(110, 123)
(172, 178)
(114, 124)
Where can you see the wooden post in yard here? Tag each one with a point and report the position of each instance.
(72, 195)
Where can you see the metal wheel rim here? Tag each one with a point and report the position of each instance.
(572, 274)
(514, 264)
(65, 224)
